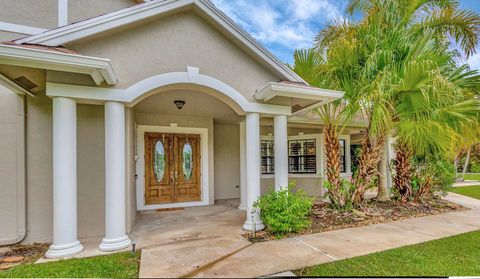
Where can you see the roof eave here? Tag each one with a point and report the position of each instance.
(99, 69)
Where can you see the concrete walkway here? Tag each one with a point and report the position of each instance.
(466, 183)
(234, 257)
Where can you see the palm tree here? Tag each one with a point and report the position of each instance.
(307, 63)
(367, 58)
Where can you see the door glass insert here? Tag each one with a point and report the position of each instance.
(187, 160)
(159, 161)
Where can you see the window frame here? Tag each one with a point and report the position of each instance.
(319, 155)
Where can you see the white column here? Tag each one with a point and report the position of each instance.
(252, 159)
(115, 232)
(65, 242)
(281, 152)
(243, 182)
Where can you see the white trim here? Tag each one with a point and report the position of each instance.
(21, 29)
(89, 27)
(5, 81)
(99, 68)
(62, 12)
(140, 165)
(278, 89)
(141, 90)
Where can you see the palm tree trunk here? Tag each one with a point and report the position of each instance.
(383, 192)
(402, 179)
(332, 154)
(370, 156)
(455, 165)
(467, 161)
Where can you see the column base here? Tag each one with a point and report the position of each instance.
(65, 250)
(110, 245)
(249, 225)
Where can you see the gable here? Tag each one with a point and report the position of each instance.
(154, 8)
(172, 43)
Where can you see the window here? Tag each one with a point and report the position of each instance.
(343, 167)
(302, 156)
(268, 157)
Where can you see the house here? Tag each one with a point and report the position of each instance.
(117, 106)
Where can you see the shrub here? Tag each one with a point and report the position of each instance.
(432, 176)
(342, 198)
(285, 211)
(475, 168)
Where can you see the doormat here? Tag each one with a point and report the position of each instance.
(169, 209)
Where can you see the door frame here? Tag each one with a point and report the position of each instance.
(140, 164)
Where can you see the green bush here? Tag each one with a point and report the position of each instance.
(475, 168)
(432, 176)
(285, 211)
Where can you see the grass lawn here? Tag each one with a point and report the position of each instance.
(453, 256)
(120, 265)
(472, 176)
(471, 191)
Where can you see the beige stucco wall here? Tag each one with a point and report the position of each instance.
(9, 36)
(153, 119)
(170, 45)
(227, 161)
(42, 14)
(84, 9)
(90, 167)
(9, 163)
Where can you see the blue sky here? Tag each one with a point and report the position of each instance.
(285, 25)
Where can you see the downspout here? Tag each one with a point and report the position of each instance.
(20, 174)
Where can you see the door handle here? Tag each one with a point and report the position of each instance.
(176, 176)
(172, 178)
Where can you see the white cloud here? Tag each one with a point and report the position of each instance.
(287, 24)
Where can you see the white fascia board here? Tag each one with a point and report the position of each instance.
(95, 25)
(277, 89)
(21, 29)
(89, 27)
(5, 81)
(99, 68)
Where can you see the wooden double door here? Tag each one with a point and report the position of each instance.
(172, 168)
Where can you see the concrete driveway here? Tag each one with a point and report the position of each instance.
(206, 242)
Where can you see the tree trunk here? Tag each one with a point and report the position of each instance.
(383, 193)
(403, 171)
(467, 161)
(332, 154)
(455, 165)
(368, 160)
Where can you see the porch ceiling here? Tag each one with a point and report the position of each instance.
(196, 104)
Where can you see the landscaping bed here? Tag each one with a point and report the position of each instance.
(21, 254)
(324, 218)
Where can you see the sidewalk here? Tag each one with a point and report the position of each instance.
(294, 253)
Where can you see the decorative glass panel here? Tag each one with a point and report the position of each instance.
(159, 161)
(187, 163)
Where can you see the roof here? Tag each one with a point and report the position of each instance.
(99, 69)
(82, 29)
(58, 49)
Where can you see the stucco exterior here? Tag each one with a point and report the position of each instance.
(170, 44)
(153, 47)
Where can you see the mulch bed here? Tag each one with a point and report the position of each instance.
(325, 218)
(20, 254)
